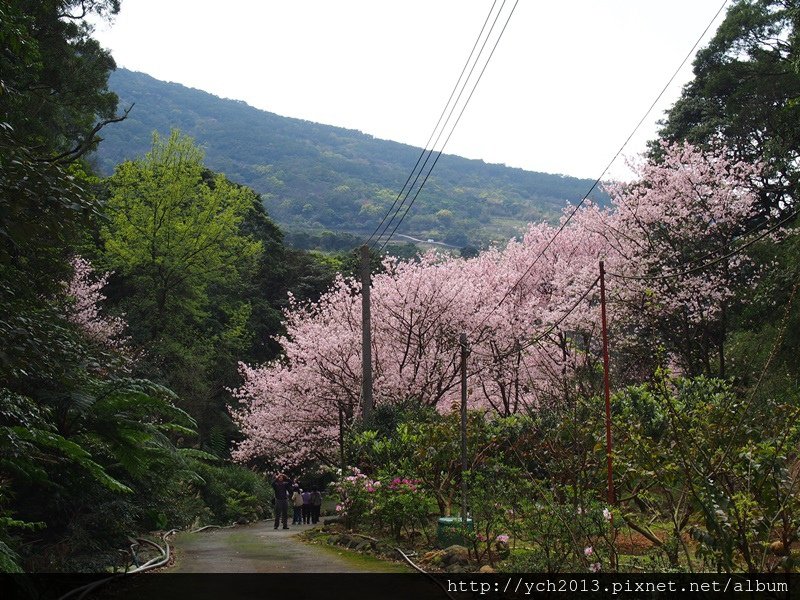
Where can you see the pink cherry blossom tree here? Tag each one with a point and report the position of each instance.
(85, 292)
(530, 310)
(672, 239)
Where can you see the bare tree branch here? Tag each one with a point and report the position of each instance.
(87, 143)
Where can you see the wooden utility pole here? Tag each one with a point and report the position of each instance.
(366, 337)
(607, 387)
(462, 340)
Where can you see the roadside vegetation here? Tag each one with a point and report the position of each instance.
(163, 348)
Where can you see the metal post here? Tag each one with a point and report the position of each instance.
(366, 337)
(607, 386)
(342, 464)
(462, 340)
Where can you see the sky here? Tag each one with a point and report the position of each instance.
(566, 85)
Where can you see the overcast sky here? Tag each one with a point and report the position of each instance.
(566, 85)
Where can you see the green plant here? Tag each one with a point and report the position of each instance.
(400, 504)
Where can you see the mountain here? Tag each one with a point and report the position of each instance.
(317, 178)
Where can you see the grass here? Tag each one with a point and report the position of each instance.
(363, 561)
(366, 562)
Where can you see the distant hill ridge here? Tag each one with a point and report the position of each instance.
(315, 177)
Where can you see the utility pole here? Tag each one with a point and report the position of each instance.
(366, 337)
(462, 340)
(607, 386)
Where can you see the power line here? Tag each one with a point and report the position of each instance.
(452, 110)
(444, 110)
(710, 263)
(539, 338)
(611, 162)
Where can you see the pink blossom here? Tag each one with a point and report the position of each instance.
(689, 205)
(594, 567)
(588, 551)
(502, 538)
(85, 291)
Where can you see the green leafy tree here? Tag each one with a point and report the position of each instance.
(175, 238)
(746, 93)
(55, 75)
(714, 462)
(174, 234)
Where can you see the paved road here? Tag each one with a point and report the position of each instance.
(413, 239)
(258, 548)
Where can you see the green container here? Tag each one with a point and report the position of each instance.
(450, 530)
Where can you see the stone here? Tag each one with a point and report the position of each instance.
(434, 557)
(456, 554)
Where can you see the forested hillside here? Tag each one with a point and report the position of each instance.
(162, 347)
(317, 177)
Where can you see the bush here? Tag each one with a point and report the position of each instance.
(400, 503)
(234, 493)
(562, 538)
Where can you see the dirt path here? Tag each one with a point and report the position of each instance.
(258, 548)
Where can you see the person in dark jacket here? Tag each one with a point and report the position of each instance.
(306, 507)
(281, 485)
(316, 504)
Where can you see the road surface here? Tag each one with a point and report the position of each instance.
(258, 548)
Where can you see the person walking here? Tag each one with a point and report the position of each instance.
(297, 505)
(306, 507)
(281, 486)
(316, 505)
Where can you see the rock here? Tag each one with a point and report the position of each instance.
(486, 569)
(456, 568)
(778, 548)
(435, 557)
(456, 554)
(364, 545)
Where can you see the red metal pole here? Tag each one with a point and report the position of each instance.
(606, 384)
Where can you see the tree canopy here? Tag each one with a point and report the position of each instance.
(746, 94)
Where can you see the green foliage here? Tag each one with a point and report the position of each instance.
(54, 75)
(105, 446)
(355, 501)
(561, 538)
(173, 234)
(232, 493)
(315, 177)
(399, 504)
(9, 561)
(496, 494)
(764, 346)
(184, 273)
(713, 461)
(744, 93)
(425, 445)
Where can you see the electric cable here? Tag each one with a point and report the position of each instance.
(444, 110)
(611, 162)
(710, 263)
(452, 129)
